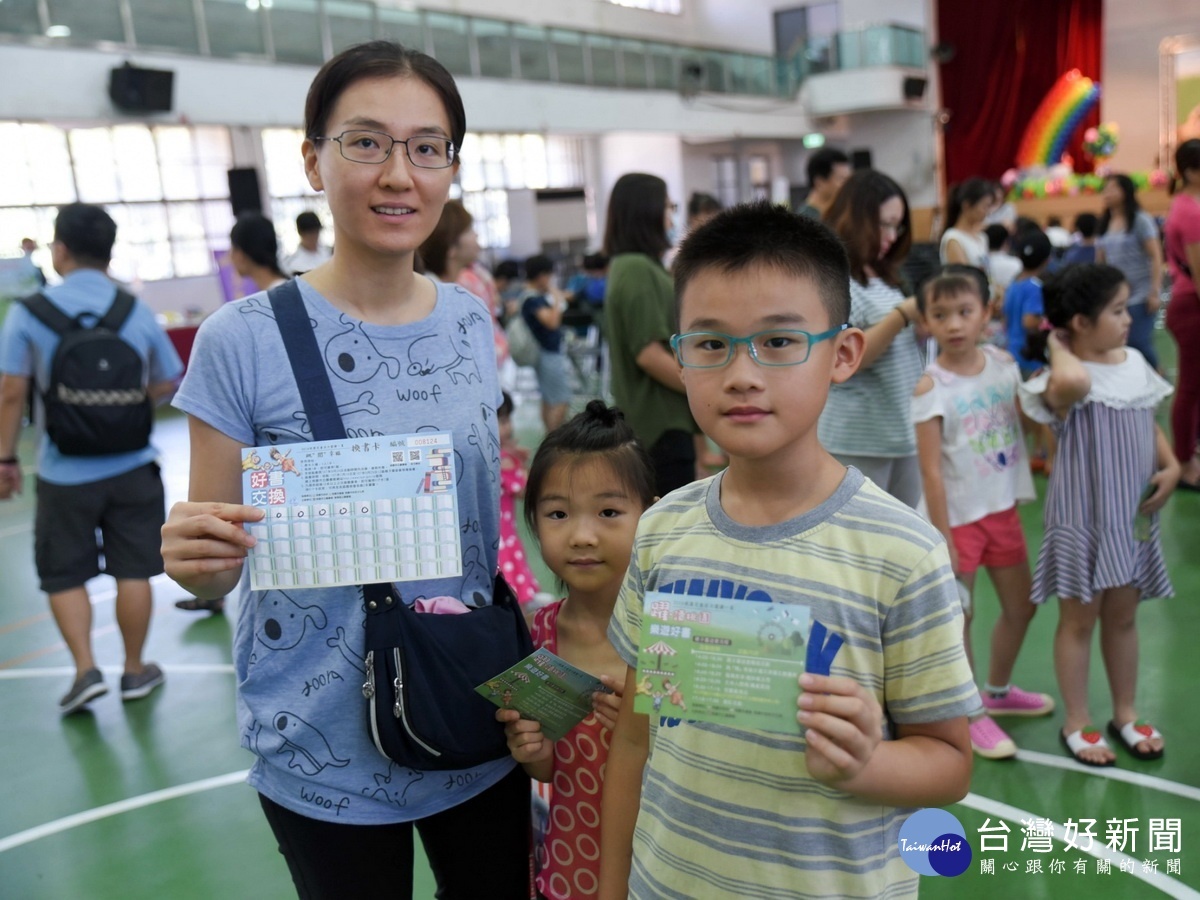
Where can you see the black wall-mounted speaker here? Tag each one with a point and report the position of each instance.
(860, 159)
(141, 90)
(244, 193)
(914, 88)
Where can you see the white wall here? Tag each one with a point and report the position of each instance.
(620, 152)
(901, 144)
(1130, 81)
(858, 14)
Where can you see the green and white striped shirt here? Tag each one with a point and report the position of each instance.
(734, 813)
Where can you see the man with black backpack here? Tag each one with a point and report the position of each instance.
(99, 361)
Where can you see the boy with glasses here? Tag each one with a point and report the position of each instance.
(762, 303)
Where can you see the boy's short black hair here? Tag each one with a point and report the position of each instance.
(997, 236)
(764, 234)
(308, 221)
(594, 261)
(1032, 248)
(88, 233)
(821, 163)
(1087, 224)
(507, 268)
(537, 266)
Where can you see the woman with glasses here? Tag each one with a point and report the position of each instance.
(867, 422)
(402, 354)
(639, 303)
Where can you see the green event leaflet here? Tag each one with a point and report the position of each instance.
(729, 662)
(546, 688)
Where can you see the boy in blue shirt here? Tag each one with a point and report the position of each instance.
(816, 811)
(1023, 299)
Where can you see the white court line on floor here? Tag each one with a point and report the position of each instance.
(67, 671)
(1099, 850)
(14, 530)
(121, 806)
(1112, 772)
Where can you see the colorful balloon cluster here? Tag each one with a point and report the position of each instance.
(1056, 118)
(1101, 142)
(1028, 188)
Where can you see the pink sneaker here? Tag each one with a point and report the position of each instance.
(1018, 703)
(989, 740)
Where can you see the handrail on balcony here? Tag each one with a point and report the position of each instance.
(311, 31)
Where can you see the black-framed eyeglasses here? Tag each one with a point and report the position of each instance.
(776, 347)
(897, 228)
(374, 147)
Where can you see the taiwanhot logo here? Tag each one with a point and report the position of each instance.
(934, 842)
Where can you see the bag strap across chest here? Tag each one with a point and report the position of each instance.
(316, 394)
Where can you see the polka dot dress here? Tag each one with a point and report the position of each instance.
(570, 858)
(513, 562)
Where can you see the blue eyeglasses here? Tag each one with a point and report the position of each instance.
(776, 347)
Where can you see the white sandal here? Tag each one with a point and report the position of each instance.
(1086, 738)
(1133, 733)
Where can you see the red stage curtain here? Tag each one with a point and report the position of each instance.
(1008, 55)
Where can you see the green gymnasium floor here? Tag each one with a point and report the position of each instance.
(145, 800)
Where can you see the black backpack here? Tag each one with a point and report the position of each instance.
(96, 401)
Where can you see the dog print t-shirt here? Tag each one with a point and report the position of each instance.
(298, 654)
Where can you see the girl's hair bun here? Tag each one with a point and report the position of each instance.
(600, 412)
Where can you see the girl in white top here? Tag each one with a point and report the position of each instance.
(975, 470)
(964, 240)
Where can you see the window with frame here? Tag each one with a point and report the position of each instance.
(493, 164)
(164, 185)
(287, 186)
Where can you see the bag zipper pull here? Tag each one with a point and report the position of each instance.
(398, 687)
(368, 688)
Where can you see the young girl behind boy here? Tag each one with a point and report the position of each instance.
(589, 483)
(514, 562)
(1113, 471)
(974, 469)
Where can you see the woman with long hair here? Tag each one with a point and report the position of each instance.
(867, 422)
(964, 240)
(1129, 242)
(451, 254)
(254, 250)
(383, 125)
(639, 304)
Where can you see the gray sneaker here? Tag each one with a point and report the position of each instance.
(135, 687)
(87, 687)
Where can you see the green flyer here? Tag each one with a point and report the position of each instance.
(546, 688)
(730, 662)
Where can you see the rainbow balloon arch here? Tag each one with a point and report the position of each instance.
(1042, 168)
(1057, 117)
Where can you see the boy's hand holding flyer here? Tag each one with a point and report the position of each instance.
(729, 662)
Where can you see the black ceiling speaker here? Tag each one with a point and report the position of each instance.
(135, 89)
(914, 88)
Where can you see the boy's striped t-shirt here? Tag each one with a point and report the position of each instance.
(730, 812)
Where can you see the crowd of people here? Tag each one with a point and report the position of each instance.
(862, 474)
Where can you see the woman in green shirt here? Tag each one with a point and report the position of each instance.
(639, 303)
